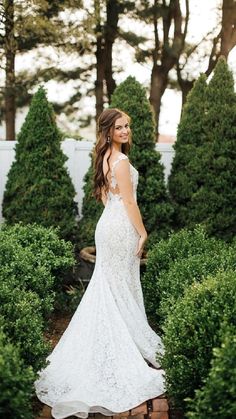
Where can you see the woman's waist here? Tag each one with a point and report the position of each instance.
(116, 199)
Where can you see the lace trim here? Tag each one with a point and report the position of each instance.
(113, 179)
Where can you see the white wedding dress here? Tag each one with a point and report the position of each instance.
(99, 364)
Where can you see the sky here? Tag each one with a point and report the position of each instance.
(203, 20)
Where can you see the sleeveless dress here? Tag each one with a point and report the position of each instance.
(99, 364)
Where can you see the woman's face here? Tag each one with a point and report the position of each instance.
(121, 130)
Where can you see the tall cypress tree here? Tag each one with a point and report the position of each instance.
(186, 177)
(91, 211)
(153, 200)
(214, 203)
(39, 188)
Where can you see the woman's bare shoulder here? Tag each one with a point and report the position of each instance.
(113, 157)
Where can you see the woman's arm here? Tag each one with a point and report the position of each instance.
(122, 174)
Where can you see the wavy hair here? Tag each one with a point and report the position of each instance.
(105, 129)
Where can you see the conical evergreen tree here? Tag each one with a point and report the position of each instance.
(91, 211)
(185, 177)
(153, 200)
(214, 203)
(39, 188)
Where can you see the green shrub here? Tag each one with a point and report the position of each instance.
(185, 177)
(214, 202)
(39, 188)
(16, 382)
(152, 194)
(192, 330)
(23, 322)
(91, 210)
(163, 256)
(217, 398)
(36, 259)
(172, 284)
(18, 268)
(46, 245)
(202, 182)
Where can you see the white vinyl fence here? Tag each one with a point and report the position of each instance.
(78, 163)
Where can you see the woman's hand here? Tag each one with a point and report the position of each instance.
(141, 243)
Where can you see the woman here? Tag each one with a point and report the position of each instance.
(101, 362)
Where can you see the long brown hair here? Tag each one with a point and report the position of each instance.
(105, 129)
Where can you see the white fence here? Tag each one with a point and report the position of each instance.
(78, 163)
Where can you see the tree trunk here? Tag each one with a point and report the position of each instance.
(168, 51)
(185, 86)
(10, 51)
(222, 44)
(99, 90)
(228, 33)
(111, 32)
(100, 67)
(159, 80)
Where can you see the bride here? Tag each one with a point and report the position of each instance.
(102, 361)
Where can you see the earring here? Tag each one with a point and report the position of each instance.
(108, 139)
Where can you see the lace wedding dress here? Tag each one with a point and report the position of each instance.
(99, 364)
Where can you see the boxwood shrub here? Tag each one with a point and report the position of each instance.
(34, 258)
(48, 249)
(183, 272)
(18, 269)
(16, 381)
(163, 256)
(192, 330)
(217, 398)
(23, 323)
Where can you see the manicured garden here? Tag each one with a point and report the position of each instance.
(189, 283)
(33, 262)
(190, 295)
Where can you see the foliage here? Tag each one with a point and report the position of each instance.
(192, 330)
(185, 177)
(91, 210)
(16, 382)
(217, 398)
(34, 258)
(214, 201)
(153, 200)
(32, 26)
(172, 284)
(45, 244)
(68, 301)
(203, 177)
(23, 322)
(39, 188)
(162, 258)
(152, 195)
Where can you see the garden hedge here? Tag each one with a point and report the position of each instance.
(35, 258)
(162, 259)
(217, 398)
(39, 188)
(23, 323)
(172, 284)
(202, 182)
(16, 382)
(185, 177)
(152, 193)
(193, 329)
(214, 202)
